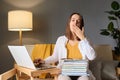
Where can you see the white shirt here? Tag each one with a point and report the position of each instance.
(60, 50)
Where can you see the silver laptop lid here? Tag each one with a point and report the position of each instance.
(21, 56)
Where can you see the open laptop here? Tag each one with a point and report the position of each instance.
(22, 57)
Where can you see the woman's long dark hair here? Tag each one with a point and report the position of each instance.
(68, 33)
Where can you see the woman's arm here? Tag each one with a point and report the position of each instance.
(54, 57)
(87, 49)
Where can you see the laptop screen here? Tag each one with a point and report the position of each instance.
(21, 56)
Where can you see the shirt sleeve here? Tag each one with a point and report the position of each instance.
(87, 49)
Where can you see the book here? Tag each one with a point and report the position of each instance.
(72, 67)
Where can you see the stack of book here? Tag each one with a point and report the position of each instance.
(75, 67)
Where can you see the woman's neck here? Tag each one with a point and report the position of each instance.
(72, 42)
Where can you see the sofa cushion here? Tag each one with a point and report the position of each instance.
(109, 70)
(29, 48)
(95, 67)
(104, 52)
(41, 51)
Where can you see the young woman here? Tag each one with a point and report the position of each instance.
(73, 45)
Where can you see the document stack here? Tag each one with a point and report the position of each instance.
(75, 67)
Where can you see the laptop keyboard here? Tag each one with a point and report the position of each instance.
(45, 67)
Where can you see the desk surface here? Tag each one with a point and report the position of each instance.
(32, 72)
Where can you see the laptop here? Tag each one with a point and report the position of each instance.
(22, 57)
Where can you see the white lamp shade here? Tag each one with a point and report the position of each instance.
(19, 20)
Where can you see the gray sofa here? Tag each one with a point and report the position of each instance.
(104, 67)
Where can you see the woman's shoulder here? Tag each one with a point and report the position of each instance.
(62, 38)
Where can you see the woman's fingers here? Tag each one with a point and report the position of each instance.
(83, 30)
(38, 62)
(78, 32)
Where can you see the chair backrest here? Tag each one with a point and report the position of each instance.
(104, 52)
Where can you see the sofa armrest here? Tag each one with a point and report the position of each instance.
(8, 74)
(109, 70)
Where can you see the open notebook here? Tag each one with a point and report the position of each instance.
(22, 57)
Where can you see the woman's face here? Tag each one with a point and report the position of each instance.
(74, 21)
